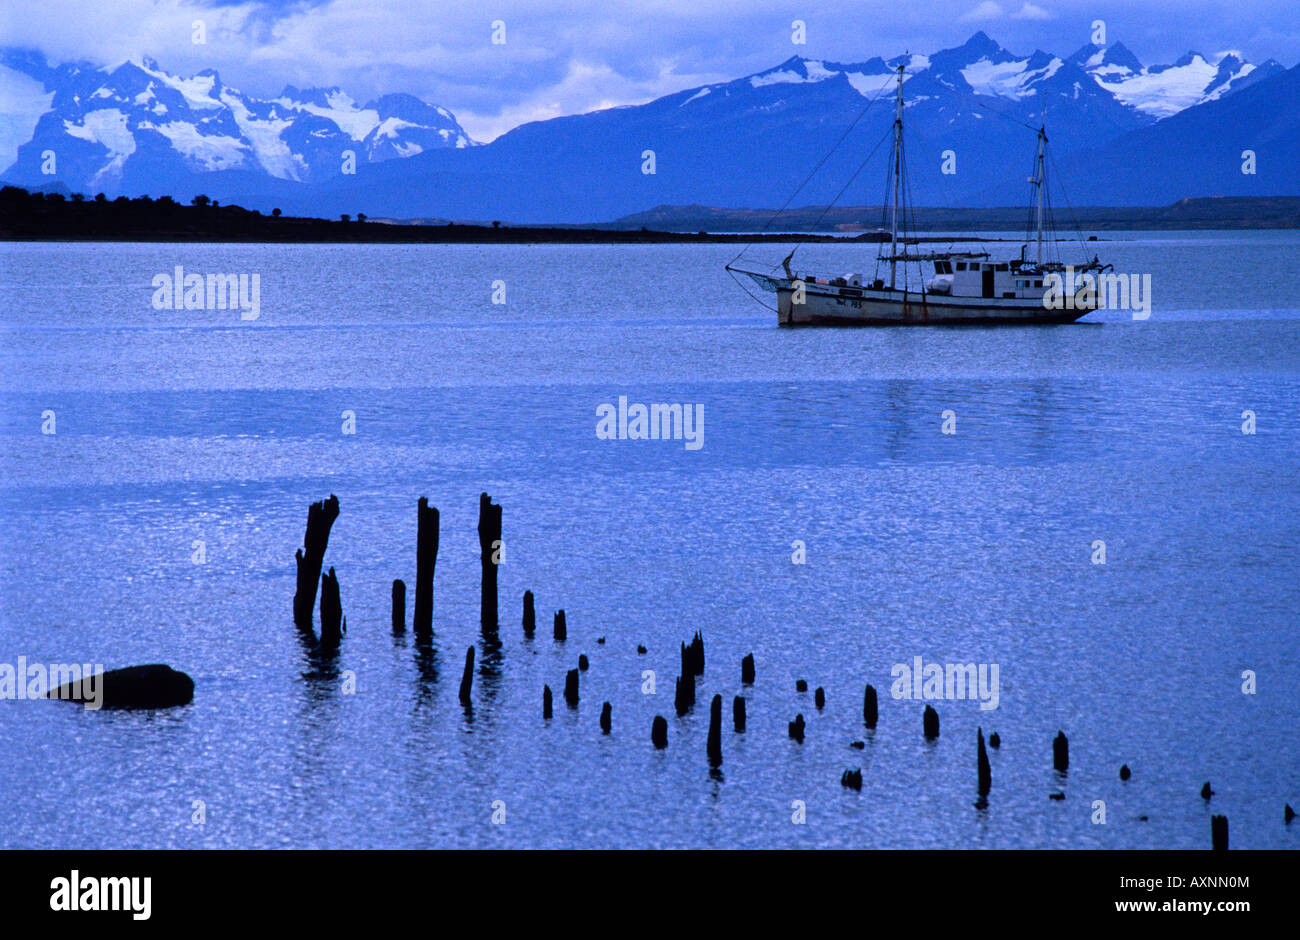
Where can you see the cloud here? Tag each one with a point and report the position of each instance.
(988, 10)
(1031, 12)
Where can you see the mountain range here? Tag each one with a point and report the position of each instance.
(1121, 133)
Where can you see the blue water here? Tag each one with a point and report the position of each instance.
(177, 426)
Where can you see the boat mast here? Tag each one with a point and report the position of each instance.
(1038, 183)
(898, 157)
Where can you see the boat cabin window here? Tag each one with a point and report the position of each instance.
(961, 265)
(943, 267)
(1002, 267)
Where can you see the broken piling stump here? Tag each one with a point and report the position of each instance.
(489, 540)
(399, 605)
(546, 701)
(715, 731)
(320, 517)
(870, 712)
(583, 662)
(1206, 792)
(738, 712)
(332, 622)
(1288, 813)
(1219, 833)
(684, 694)
(1124, 772)
(852, 779)
(796, 728)
(747, 670)
(659, 732)
(995, 742)
(801, 685)
(605, 712)
(426, 559)
(982, 762)
(561, 628)
(819, 698)
(530, 615)
(1060, 752)
(930, 723)
(467, 677)
(155, 685)
(571, 688)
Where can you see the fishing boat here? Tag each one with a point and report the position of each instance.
(953, 287)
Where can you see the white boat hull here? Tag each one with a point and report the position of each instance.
(831, 306)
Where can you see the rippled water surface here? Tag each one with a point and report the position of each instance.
(180, 426)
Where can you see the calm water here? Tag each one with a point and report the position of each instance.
(177, 426)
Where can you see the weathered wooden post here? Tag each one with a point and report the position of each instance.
(426, 559)
(1061, 752)
(870, 708)
(605, 712)
(982, 762)
(320, 517)
(930, 723)
(399, 605)
(546, 701)
(1124, 772)
(995, 742)
(530, 615)
(796, 728)
(1219, 833)
(715, 731)
(747, 670)
(1206, 792)
(561, 628)
(332, 622)
(851, 779)
(659, 732)
(684, 694)
(489, 540)
(1288, 813)
(738, 712)
(583, 663)
(467, 677)
(571, 688)
(819, 698)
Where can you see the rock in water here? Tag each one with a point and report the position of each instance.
(153, 686)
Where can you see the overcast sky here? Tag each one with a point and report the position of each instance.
(568, 57)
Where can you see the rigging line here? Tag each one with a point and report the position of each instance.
(861, 166)
(819, 165)
(1074, 219)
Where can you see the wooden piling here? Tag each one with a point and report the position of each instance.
(1061, 752)
(715, 731)
(546, 701)
(467, 677)
(320, 517)
(684, 694)
(801, 685)
(1124, 772)
(426, 559)
(332, 622)
(995, 742)
(489, 540)
(930, 723)
(796, 728)
(819, 698)
(870, 709)
(982, 763)
(1288, 813)
(530, 615)
(605, 712)
(571, 688)
(399, 605)
(738, 712)
(561, 627)
(747, 670)
(659, 732)
(852, 779)
(1206, 792)
(583, 663)
(1219, 833)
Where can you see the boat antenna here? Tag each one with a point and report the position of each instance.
(898, 152)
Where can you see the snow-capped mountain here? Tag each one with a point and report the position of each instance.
(1164, 90)
(748, 142)
(137, 128)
